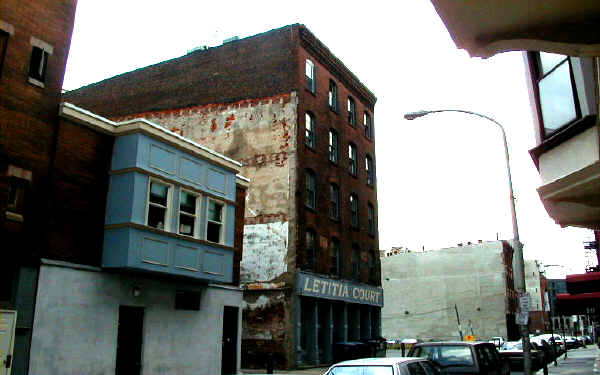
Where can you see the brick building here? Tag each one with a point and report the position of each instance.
(302, 124)
(119, 239)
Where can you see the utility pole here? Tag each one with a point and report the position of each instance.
(458, 322)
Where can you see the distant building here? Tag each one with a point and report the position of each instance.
(303, 126)
(536, 286)
(425, 291)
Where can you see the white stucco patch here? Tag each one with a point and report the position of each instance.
(260, 303)
(265, 249)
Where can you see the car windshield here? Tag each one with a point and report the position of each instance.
(362, 370)
(447, 355)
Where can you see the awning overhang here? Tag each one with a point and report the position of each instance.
(583, 283)
(487, 27)
(577, 304)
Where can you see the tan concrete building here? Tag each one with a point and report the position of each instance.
(425, 291)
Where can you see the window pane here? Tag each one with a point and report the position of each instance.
(309, 69)
(213, 232)
(550, 60)
(188, 203)
(158, 193)
(186, 225)
(214, 211)
(556, 98)
(156, 217)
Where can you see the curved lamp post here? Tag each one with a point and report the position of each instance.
(519, 267)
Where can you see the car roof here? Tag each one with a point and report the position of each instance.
(378, 361)
(444, 343)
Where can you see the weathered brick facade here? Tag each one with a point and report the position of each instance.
(247, 99)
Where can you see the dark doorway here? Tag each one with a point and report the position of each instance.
(129, 340)
(229, 345)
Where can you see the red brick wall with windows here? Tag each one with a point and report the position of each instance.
(328, 172)
(29, 113)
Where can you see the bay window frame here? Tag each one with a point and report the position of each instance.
(169, 204)
(223, 222)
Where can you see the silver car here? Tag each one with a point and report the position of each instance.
(384, 366)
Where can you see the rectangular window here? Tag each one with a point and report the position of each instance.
(352, 159)
(369, 170)
(311, 244)
(310, 76)
(356, 263)
(372, 273)
(15, 206)
(334, 211)
(333, 146)
(333, 96)
(556, 91)
(38, 64)
(368, 124)
(371, 219)
(189, 204)
(354, 211)
(215, 220)
(311, 189)
(159, 201)
(351, 111)
(3, 45)
(310, 137)
(335, 257)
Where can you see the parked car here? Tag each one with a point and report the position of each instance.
(571, 342)
(384, 366)
(550, 353)
(512, 353)
(498, 341)
(462, 357)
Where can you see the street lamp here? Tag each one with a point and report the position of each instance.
(519, 267)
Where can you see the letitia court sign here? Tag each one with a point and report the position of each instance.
(321, 287)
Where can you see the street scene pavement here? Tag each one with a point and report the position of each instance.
(582, 361)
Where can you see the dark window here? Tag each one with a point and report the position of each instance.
(334, 193)
(187, 300)
(352, 159)
(3, 44)
(415, 369)
(335, 256)
(351, 111)
(37, 64)
(311, 189)
(311, 83)
(188, 213)
(214, 222)
(310, 136)
(355, 262)
(354, 210)
(368, 124)
(333, 146)
(557, 96)
(371, 219)
(311, 249)
(369, 170)
(17, 188)
(158, 205)
(372, 273)
(333, 96)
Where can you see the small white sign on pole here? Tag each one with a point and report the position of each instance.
(525, 302)
(522, 318)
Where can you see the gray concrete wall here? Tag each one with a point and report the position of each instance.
(533, 285)
(421, 289)
(75, 326)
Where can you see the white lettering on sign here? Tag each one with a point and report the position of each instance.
(340, 289)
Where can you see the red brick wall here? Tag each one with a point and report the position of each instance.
(327, 172)
(28, 113)
(256, 67)
(78, 195)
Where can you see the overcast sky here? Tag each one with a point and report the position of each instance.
(441, 178)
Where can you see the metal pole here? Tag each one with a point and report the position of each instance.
(458, 321)
(519, 264)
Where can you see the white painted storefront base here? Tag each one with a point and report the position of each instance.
(76, 316)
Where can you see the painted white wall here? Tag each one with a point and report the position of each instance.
(570, 156)
(429, 284)
(75, 326)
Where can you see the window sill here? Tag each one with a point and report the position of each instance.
(35, 82)
(569, 131)
(334, 110)
(12, 216)
(310, 148)
(313, 93)
(311, 209)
